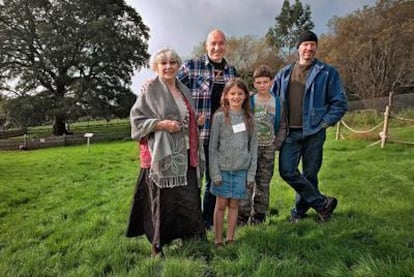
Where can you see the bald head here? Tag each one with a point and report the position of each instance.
(216, 33)
(216, 45)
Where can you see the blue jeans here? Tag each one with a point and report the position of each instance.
(309, 150)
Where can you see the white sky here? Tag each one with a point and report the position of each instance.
(182, 24)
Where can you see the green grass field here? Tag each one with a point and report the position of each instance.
(63, 212)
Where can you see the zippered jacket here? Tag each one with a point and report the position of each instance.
(324, 101)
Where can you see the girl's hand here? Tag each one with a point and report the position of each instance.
(217, 183)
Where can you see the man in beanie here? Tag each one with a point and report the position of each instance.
(314, 100)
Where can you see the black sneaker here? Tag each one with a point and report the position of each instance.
(326, 212)
(242, 220)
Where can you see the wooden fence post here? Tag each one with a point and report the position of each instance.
(25, 141)
(387, 114)
(390, 99)
(384, 132)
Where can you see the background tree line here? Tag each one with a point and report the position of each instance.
(63, 60)
(371, 47)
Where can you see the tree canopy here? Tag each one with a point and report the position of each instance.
(290, 23)
(71, 53)
(373, 48)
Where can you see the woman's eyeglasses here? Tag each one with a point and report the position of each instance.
(172, 63)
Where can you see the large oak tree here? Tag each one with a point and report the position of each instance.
(71, 52)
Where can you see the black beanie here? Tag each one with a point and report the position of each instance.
(307, 36)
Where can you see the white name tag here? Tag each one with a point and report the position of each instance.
(237, 128)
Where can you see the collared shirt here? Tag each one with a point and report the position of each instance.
(198, 76)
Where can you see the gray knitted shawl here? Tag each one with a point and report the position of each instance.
(169, 162)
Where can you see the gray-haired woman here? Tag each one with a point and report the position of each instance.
(167, 203)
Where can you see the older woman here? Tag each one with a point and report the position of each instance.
(167, 200)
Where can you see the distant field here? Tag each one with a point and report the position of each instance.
(42, 137)
(96, 126)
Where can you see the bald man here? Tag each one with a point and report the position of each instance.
(205, 77)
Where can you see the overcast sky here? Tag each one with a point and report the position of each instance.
(182, 24)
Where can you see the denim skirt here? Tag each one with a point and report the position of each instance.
(233, 185)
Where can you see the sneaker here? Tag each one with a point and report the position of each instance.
(242, 220)
(326, 212)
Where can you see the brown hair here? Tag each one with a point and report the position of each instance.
(225, 105)
(263, 70)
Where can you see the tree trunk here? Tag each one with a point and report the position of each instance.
(59, 127)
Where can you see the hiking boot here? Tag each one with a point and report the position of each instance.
(326, 212)
(296, 219)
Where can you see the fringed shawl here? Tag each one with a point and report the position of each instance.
(169, 162)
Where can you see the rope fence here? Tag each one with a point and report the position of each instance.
(384, 134)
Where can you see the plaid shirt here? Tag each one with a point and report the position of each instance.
(197, 75)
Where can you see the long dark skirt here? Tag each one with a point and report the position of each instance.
(166, 214)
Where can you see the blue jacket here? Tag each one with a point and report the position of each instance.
(324, 101)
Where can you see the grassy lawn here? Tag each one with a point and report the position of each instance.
(63, 212)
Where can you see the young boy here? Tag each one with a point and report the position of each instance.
(271, 131)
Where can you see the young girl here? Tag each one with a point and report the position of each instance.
(233, 156)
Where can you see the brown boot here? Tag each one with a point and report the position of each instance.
(326, 212)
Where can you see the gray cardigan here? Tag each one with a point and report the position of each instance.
(230, 151)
